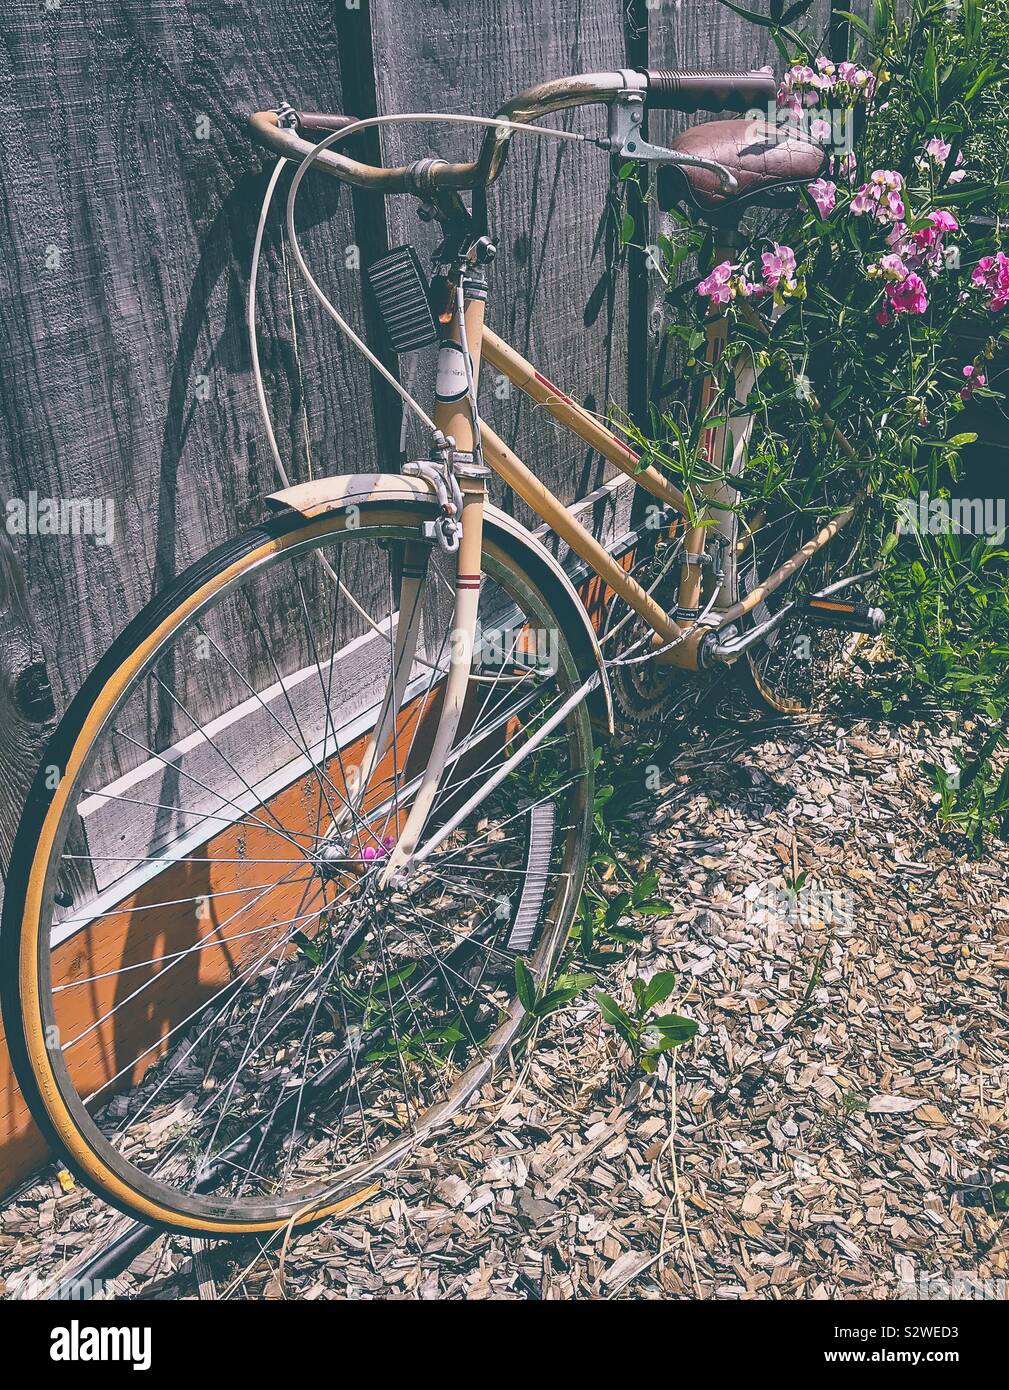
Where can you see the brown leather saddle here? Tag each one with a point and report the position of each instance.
(768, 162)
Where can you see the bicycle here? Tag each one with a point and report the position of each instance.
(260, 934)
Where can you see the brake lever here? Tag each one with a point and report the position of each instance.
(624, 139)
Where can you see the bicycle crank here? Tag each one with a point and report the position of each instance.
(823, 609)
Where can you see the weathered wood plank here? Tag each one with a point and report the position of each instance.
(129, 195)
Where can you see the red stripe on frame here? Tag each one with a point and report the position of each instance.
(556, 390)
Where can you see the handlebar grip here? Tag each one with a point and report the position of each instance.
(319, 120)
(709, 91)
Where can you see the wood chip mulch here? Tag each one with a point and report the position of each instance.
(836, 1129)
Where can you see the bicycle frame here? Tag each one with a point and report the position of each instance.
(677, 635)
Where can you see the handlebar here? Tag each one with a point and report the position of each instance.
(663, 90)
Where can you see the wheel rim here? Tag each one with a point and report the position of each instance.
(453, 1042)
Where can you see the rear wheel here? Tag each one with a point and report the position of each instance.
(797, 666)
(215, 1010)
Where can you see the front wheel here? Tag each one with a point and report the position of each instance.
(215, 1010)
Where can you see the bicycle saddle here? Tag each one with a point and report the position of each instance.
(768, 162)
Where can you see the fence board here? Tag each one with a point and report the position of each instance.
(128, 200)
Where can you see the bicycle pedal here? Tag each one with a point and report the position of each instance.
(402, 295)
(844, 616)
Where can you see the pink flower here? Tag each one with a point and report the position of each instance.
(716, 286)
(938, 151)
(992, 274)
(743, 285)
(380, 851)
(803, 86)
(777, 266)
(892, 266)
(853, 82)
(880, 197)
(882, 317)
(886, 179)
(924, 250)
(974, 379)
(908, 296)
(940, 223)
(727, 281)
(824, 195)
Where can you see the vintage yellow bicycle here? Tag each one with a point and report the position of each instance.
(265, 906)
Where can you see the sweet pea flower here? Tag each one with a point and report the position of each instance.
(728, 281)
(940, 223)
(803, 86)
(716, 285)
(880, 197)
(892, 267)
(938, 151)
(974, 379)
(824, 195)
(777, 266)
(908, 296)
(852, 82)
(992, 274)
(380, 851)
(925, 249)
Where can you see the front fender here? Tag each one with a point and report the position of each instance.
(375, 489)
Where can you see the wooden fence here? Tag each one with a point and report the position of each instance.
(129, 193)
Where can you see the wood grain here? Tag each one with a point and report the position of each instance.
(129, 195)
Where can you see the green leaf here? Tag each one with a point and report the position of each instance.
(645, 887)
(675, 1029)
(855, 19)
(307, 947)
(396, 978)
(525, 986)
(615, 1015)
(658, 989)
